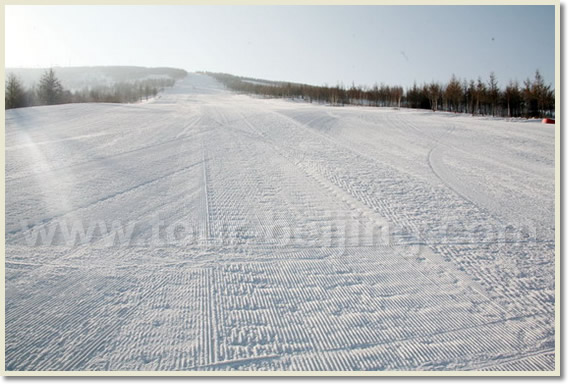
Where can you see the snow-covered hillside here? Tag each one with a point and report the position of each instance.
(217, 231)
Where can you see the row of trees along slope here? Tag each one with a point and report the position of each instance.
(50, 91)
(534, 98)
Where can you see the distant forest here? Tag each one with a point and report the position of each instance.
(137, 84)
(534, 98)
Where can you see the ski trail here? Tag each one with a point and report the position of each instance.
(293, 237)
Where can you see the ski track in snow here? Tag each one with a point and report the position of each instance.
(283, 270)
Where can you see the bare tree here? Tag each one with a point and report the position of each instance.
(397, 92)
(434, 90)
(512, 96)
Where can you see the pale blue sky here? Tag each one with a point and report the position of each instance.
(317, 44)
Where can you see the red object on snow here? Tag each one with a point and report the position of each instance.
(547, 121)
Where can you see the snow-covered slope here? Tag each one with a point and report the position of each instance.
(217, 231)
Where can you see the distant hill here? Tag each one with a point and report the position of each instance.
(76, 78)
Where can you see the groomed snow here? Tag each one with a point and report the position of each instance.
(269, 235)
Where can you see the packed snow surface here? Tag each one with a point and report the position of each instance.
(207, 230)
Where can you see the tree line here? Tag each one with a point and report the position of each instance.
(534, 98)
(49, 91)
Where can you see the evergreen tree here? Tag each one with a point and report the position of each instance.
(542, 93)
(493, 93)
(50, 90)
(15, 94)
(453, 94)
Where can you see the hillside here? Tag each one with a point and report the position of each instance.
(209, 230)
(76, 78)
